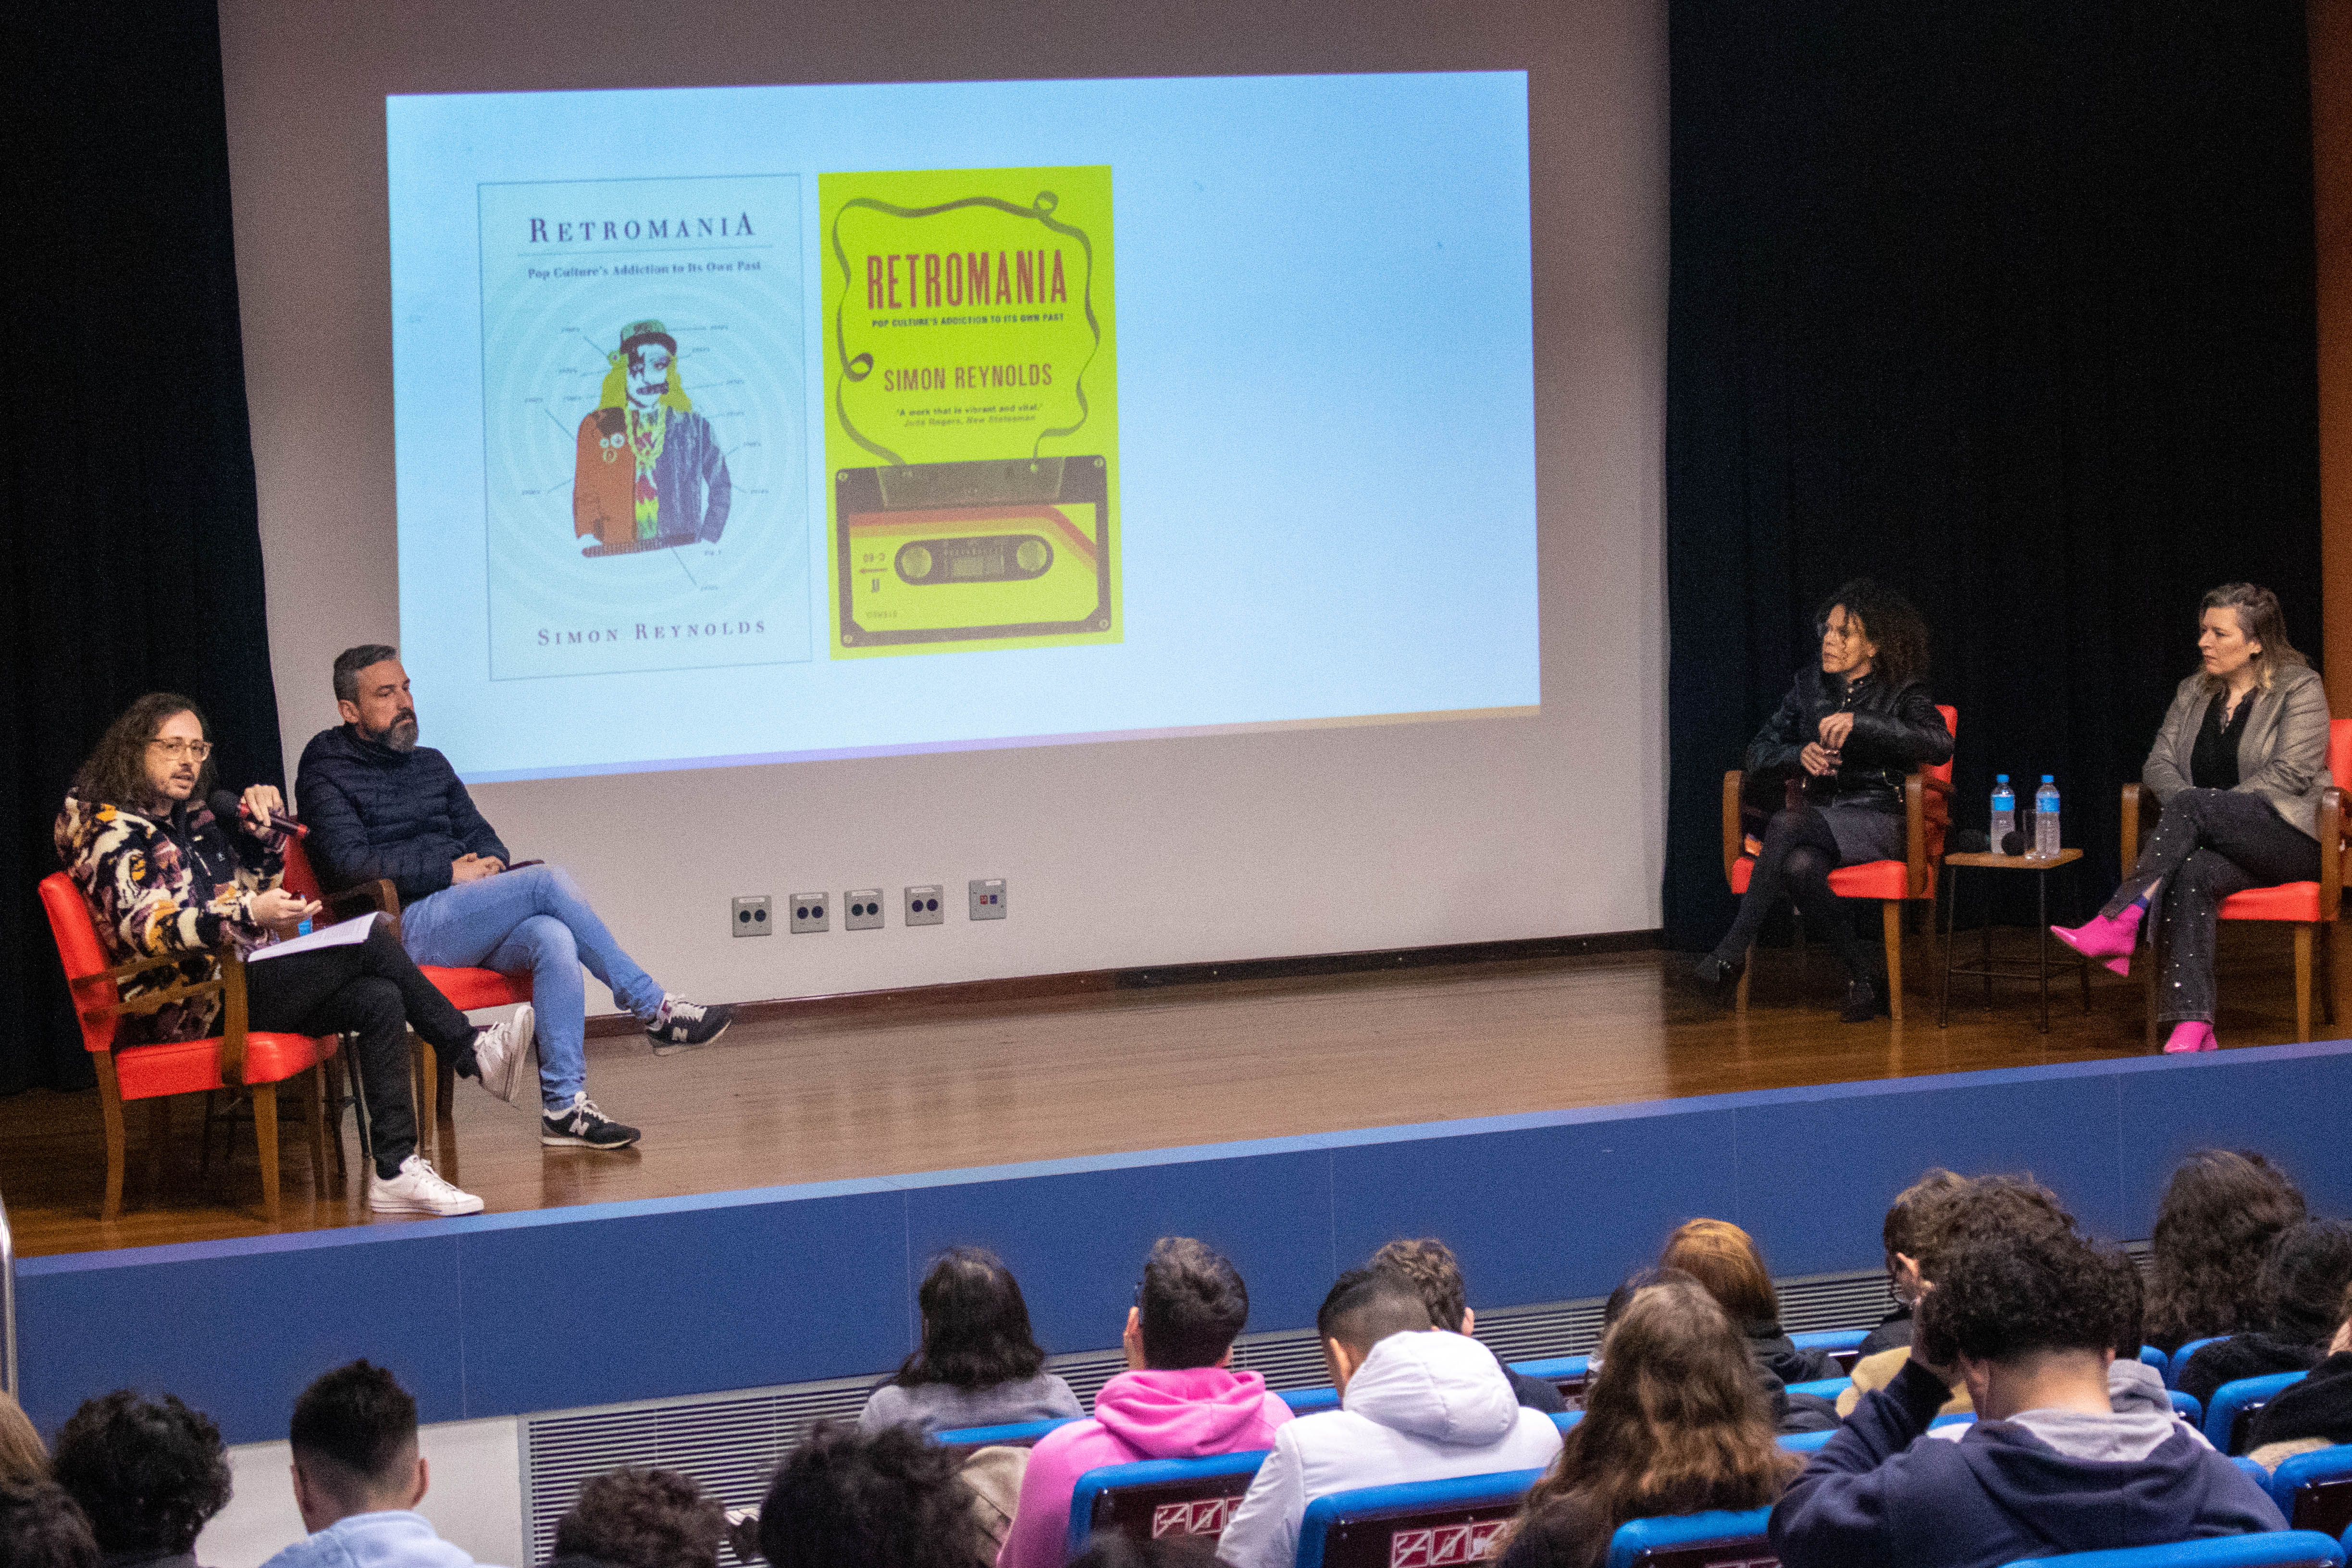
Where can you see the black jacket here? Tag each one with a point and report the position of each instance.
(2318, 1407)
(373, 811)
(1895, 729)
(1893, 1329)
(2245, 1356)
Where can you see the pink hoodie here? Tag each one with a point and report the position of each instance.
(1177, 1415)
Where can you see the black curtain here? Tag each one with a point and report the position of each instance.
(134, 553)
(2010, 305)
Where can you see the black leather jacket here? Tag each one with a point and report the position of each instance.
(1895, 729)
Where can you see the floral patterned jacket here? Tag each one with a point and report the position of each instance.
(162, 882)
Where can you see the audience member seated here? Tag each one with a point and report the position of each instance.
(979, 1364)
(884, 1498)
(2026, 1320)
(641, 1519)
(1943, 1215)
(359, 1475)
(1177, 1400)
(148, 1475)
(2301, 1292)
(1414, 1406)
(22, 1457)
(2220, 1212)
(2133, 1385)
(40, 1527)
(2313, 1414)
(1724, 1260)
(1900, 1234)
(1674, 1423)
(1431, 1265)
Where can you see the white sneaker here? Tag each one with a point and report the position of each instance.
(500, 1051)
(418, 1190)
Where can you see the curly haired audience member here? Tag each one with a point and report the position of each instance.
(2220, 1212)
(1725, 1262)
(2300, 1292)
(979, 1364)
(1431, 1265)
(2026, 1320)
(1674, 1423)
(359, 1475)
(883, 1498)
(1177, 1400)
(641, 1519)
(1899, 1234)
(41, 1528)
(148, 1476)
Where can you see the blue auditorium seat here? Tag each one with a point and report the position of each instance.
(2151, 1356)
(1437, 1522)
(2186, 1407)
(1308, 1401)
(1825, 1387)
(2274, 1549)
(2233, 1402)
(1568, 1373)
(1155, 1498)
(2180, 1359)
(1689, 1539)
(1565, 1419)
(2314, 1489)
(1012, 1435)
(1843, 1344)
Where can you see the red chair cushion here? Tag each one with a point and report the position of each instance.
(1741, 869)
(1872, 879)
(193, 1066)
(2288, 901)
(470, 989)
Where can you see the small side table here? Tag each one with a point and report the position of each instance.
(2042, 865)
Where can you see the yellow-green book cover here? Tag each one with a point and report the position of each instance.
(972, 409)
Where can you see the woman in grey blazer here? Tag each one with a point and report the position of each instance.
(2238, 767)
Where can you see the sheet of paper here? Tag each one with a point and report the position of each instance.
(341, 935)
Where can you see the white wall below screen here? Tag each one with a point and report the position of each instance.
(1117, 854)
(473, 1496)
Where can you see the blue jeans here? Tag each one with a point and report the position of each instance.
(535, 919)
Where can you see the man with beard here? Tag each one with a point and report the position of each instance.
(379, 805)
(648, 473)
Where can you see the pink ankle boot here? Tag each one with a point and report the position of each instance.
(2190, 1035)
(2109, 941)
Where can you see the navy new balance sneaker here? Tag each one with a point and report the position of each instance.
(681, 1023)
(583, 1126)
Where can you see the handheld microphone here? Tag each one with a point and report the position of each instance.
(228, 807)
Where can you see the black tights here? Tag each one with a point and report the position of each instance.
(1799, 853)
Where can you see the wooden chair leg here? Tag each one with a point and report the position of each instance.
(1890, 915)
(110, 1100)
(2303, 935)
(314, 1112)
(264, 1132)
(332, 1067)
(159, 1138)
(2327, 973)
(429, 1079)
(445, 1123)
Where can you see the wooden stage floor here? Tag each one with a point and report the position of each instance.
(909, 1086)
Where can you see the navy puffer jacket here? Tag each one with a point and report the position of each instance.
(373, 811)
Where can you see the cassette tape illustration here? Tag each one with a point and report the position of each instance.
(957, 552)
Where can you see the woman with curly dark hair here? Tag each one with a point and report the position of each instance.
(641, 1519)
(1849, 730)
(2300, 1298)
(2221, 1211)
(148, 1474)
(979, 1364)
(41, 1528)
(1674, 1423)
(888, 1499)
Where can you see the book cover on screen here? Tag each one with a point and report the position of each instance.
(971, 420)
(644, 427)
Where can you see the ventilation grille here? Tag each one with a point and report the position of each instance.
(731, 1442)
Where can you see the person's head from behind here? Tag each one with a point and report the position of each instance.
(2304, 1280)
(1725, 1261)
(1429, 1264)
(1364, 1307)
(1866, 626)
(890, 1499)
(148, 1474)
(354, 1439)
(22, 1456)
(1899, 1232)
(1948, 1214)
(2220, 1212)
(976, 1331)
(1620, 1299)
(371, 695)
(2027, 1317)
(41, 1526)
(157, 754)
(1188, 1309)
(643, 1519)
(1675, 1421)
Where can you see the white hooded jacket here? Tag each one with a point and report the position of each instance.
(1422, 1407)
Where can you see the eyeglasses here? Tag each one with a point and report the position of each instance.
(176, 747)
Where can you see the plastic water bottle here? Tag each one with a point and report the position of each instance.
(2046, 818)
(2004, 811)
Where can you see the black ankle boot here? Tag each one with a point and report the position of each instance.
(1862, 1003)
(1716, 975)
